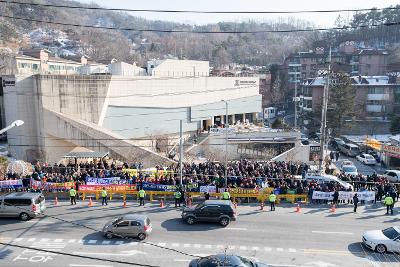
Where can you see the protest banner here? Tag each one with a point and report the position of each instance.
(51, 186)
(208, 188)
(344, 195)
(157, 187)
(11, 183)
(111, 188)
(366, 195)
(105, 181)
(239, 190)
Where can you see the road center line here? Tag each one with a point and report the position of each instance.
(89, 265)
(333, 233)
(236, 228)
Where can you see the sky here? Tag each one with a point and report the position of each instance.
(324, 19)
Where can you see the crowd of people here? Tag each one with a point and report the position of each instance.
(285, 176)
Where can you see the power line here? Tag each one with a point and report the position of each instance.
(200, 32)
(200, 11)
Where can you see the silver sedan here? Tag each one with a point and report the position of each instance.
(382, 241)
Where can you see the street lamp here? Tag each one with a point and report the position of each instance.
(226, 142)
(16, 123)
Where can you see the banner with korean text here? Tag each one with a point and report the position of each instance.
(111, 188)
(51, 186)
(105, 181)
(11, 183)
(344, 195)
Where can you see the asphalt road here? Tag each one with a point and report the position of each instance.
(313, 237)
(361, 167)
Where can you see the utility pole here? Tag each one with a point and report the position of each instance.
(295, 101)
(226, 144)
(324, 113)
(180, 152)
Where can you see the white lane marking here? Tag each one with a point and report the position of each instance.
(44, 240)
(106, 242)
(181, 260)
(333, 233)
(134, 243)
(207, 246)
(235, 228)
(279, 249)
(89, 265)
(255, 248)
(124, 253)
(186, 245)
(18, 239)
(197, 246)
(175, 244)
(267, 249)
(41, 222)
(231, 247)
(242, 247)
(162, 244)
(58, 240)
(219, 246)
(292, 250)
(71, 240)
(31, 239)
(92, 241)
(119, 242)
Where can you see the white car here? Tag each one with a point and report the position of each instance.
(349, 169)
(367, 159)
(346, 163)
(382, 241)
(392, 175)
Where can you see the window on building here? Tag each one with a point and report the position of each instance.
(376, 90)
(35, 66)
(304, 67)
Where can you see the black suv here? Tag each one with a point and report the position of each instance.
(221, 211)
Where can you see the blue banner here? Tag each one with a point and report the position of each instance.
(11, 183)
(157, 187)
(105, 181)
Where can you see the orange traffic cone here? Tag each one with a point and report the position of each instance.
(56, 202)
(161, 203)
(124, 203)
(235, 204)
(90, 202)
(298, 208)
(333, 208)
(262, 206)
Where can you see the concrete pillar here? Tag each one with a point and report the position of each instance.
(243, 117)
(233, 119)
(254, 116)
(212, 121)
(222, 119)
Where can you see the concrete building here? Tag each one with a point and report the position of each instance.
(127, 116)
(377, 97)
(178, 68)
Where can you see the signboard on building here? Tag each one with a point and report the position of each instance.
(314, 153)
(222, 130)
(373, 143)
(392, 151)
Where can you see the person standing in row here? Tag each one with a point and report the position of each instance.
(388, 201)
(272, 199)
(355, 201)
(142, 194)
(104, 197)
(226, 195)
(72, 195)
(177, 196)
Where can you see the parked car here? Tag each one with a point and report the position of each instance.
(349, 169)
(336, 142)
(392, 175)
(24, 205)
(130, 225)
(224, 260)
(221, 211)
(350, 150)
(346, 163)
(367, 159)
(383, 241)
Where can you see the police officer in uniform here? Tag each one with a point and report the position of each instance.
(104, 196)
(226, 195)
(272, 199)
(388, 201)
(177, 196)
(72, 195)
(142, 194)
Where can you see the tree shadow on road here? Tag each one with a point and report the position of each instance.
(358, 250)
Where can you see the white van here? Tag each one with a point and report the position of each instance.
(24, 205)
(350, 150)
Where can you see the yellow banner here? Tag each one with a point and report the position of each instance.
(373, 143)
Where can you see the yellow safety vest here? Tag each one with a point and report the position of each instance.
(388, 201)
(272, 198)
(72, 192)
(142, 193)
(226, 195)
(103, 193)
